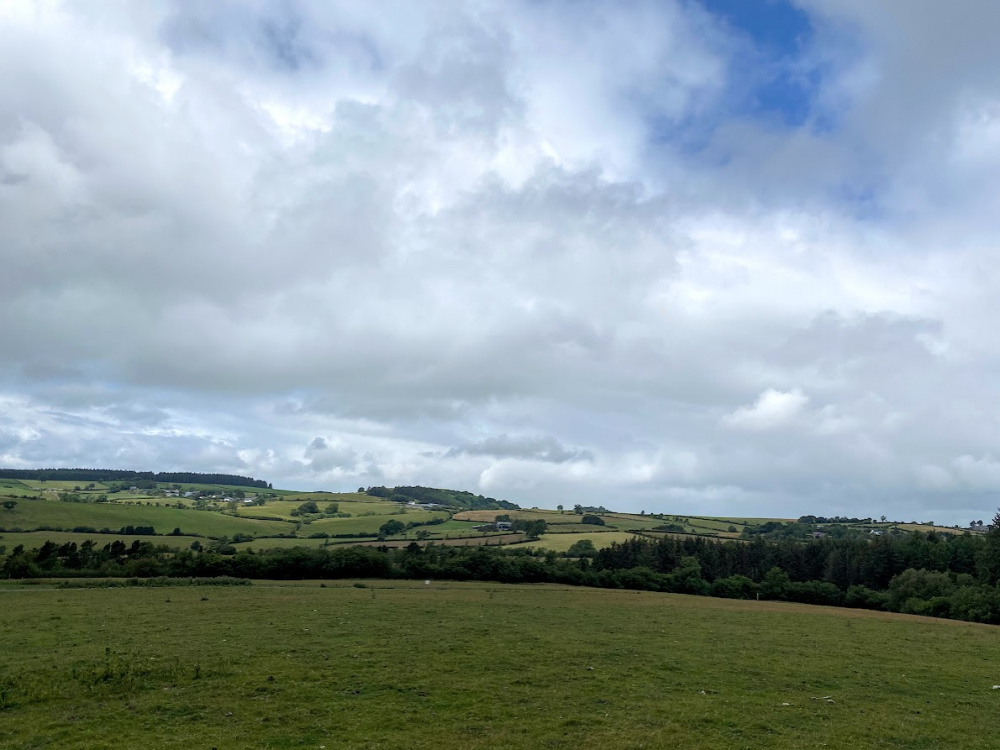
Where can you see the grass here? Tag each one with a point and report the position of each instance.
(35, 539)
(477, 666)
(283, 508)
(59, 485)
(30, 514)
(562, 542)
(368, 524)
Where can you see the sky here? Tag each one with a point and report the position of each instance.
(713, 257)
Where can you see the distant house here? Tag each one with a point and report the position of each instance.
(172, 493)
(189, 494)
(876, 532)
(818, 534)
(503, 525)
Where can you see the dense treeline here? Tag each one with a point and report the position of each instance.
(449, 498)
(119, 475)
(946, 576)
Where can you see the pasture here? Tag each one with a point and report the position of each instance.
(35, 539)
(30, 514)
(447, 665)
(562, 542)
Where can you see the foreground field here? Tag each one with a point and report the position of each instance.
(399, 665)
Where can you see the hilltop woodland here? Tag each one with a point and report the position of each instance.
(930, 573)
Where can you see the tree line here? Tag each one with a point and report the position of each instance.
(119, 475)
(921, 573)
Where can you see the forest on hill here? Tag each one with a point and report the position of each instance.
(120, 475)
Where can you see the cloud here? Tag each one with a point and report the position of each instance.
(771, 410)
(564, 252)
(535, 448)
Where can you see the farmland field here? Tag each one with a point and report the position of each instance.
(283, 508)
(448, 665)
(30, 514)
(562, 542)
(368, 524)
(35, 539)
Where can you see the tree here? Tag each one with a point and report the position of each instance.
(582, 548)
(559, 508)
(911, 588)
(391, 527)
(9, 504)
(989, 556)
(332, 508)
(592, 519)
(307, 507)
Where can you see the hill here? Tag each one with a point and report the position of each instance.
(125, 475)
(458, 499)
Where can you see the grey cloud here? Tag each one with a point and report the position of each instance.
(535, 448)
(326, 243)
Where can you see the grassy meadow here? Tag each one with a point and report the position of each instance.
(562, 542)
(35, 539)
(30, 514)
(447, 665)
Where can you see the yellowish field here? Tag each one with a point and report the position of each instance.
(925, 528)
(562, 542)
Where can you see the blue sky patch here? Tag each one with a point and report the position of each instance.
(771, 79)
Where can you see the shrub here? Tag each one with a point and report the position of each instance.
(862, 597)
(734, 587)
(917, 584)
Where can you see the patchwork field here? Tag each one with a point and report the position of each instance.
(562, 542)
(396, 665)
(35, 539)
(30, 514)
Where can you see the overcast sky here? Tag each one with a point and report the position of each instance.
(718, 257)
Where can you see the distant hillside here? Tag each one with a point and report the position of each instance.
(449, 498)
(120, 475)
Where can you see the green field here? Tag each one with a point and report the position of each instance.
(407, 665)
(562, 542)
(30, 514)
(368, 524)
(283, 508)
(57, 485)
(35, 539)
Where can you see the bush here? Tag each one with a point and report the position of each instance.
(734, 587)
(594, 520)
(775, 584)
(862, 597)
(917, 584)
(815, 592)
(975, 604)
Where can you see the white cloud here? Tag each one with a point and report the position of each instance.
(460, 243)
(772, 409)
